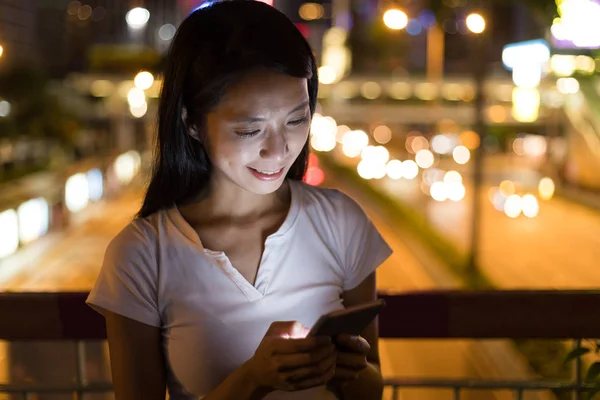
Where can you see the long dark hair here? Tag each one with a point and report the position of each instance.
(214, 47)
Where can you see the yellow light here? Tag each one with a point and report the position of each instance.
(327, 75)
(475, 23)
(311, 11)
(395, 19)
(1, 51)
(382, 134)
(546, 188)
(101, 88)
(507, 188)
(354, 142)
(469, 139)
(143, 80)
(370, 90)
(497, 114)
(526, 104)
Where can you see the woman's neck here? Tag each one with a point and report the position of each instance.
(229, 201)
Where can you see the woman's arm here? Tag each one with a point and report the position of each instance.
(139, 371)
(136, 358)
(369, 384)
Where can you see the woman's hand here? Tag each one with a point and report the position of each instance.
(351, 360)
(287, 360)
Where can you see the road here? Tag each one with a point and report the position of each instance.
(70, 262)
(558, 249)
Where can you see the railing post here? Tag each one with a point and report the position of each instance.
(395, 393)
(519, 394)
(457, 393)
(81, 376)
(576, 395)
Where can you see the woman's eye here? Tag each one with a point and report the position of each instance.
(247, 134)
(297, 122)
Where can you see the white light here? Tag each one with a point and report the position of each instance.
(327, 75)
(567, 85)
(513, 206)
(33, 219)
(323, 126)
(125, 168)
(4, 108)
(530, 206)
(455, 191)
(137, 18)
(438, 191)
(453, 177)
(136, 97)
(546, 188)
(562, 64)
(138, 111)
(394, 169)
(532, 52)
(9, 234)
(527, 75)
(461, 154)
(77, 192)
(410, 169)
(535, 145)
(475, 23)
(395, 19)
(365, 169)
(323, 142)
(143, 80)
(442, 144)
(166, 32)
(354, 142)
(424, 159)
(95, 184)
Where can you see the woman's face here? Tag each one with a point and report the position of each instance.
(257, 131)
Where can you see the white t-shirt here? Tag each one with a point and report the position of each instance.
(157, 272)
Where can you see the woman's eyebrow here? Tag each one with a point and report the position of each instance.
(259, 119)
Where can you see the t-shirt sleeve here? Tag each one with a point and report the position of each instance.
(128, 280)
(363, 247)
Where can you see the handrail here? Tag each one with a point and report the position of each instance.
(509, 314)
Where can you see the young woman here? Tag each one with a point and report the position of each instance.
(210, 291)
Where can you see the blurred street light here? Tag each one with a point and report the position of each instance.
(1, 51)
(395, 19)
(475, 23)
(143, 80)
(137, 18)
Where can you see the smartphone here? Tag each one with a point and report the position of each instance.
(351, 320)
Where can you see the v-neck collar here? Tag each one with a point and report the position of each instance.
(258, 290)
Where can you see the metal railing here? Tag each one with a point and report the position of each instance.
(416, 315)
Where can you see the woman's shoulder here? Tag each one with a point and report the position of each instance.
(140, 234)
(332, 201)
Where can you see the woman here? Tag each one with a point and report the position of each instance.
(229, 243)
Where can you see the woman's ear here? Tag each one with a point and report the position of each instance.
(191, 128)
